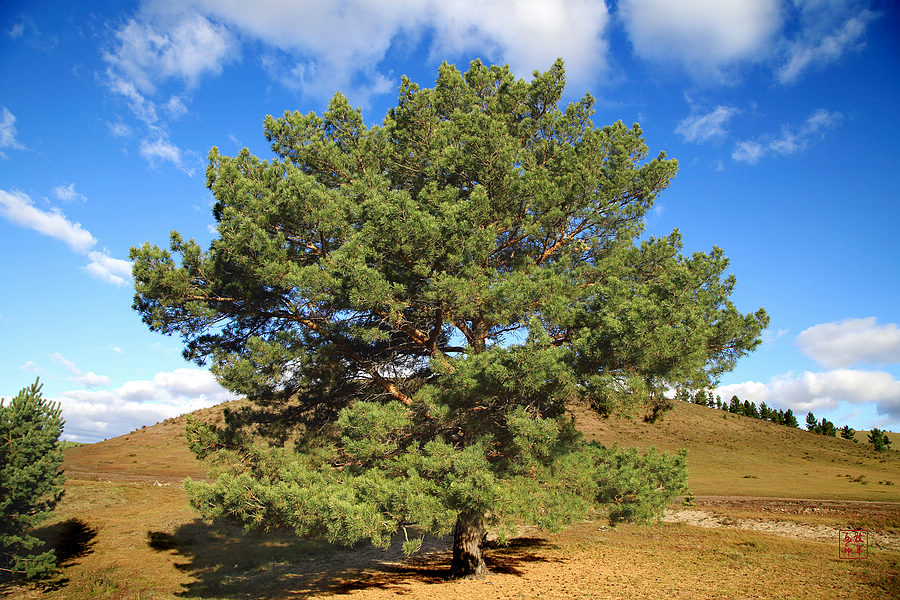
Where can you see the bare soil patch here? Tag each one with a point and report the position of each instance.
(779, 516)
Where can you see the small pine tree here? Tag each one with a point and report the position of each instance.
(826, 427)
(879, 440)
(848, 433)
(777, 416)
(789, 419)
(735, 406)
(811, 422)
(765, 413)
(31, 482)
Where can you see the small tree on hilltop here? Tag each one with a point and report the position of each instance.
(879, 440)
(848, 433)
(789, 419)
(413, 307)
(812, 424)
(31, 482)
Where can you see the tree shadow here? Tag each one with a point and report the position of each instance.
(225, 561)
(70, 540)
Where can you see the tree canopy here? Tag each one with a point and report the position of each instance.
(411, 308)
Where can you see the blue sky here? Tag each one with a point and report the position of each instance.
(782, 114)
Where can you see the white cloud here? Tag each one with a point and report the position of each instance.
(789, 140)
(705, 127)
(104, 267)
(8, 132)
(302, 53)
(19, 209)
(822, 391)
(166, 44)
(67, 193)
(851, 342)
(527, 35)
(89, 379)
(828, 30)
(161, 150)
(705, 36)
(92, 415)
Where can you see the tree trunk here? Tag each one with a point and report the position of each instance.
(468, 539)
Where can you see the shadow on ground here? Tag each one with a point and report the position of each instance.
(70, 540)
(228, 563)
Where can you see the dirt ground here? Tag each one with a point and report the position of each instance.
(722, 511)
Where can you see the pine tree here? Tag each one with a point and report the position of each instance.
(789, 419)
(31, 482)
(848, 433)
(411, 308)
(879, 440)
(812, 424)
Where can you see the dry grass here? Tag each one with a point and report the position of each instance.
(131, 534)
(732, 455)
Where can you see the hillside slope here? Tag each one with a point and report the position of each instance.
(728, 455)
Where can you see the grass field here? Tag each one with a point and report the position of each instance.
(768, 504)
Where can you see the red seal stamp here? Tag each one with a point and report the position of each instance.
(853, 544)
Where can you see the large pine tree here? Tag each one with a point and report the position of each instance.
(412, 307)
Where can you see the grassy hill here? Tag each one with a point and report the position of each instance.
(125, 529)
(727, 455)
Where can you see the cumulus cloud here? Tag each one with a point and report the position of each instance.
(527, 35)
(851, 342)
(822, 391)
(704, 36)
(828, 30)
(789, 141)
(92, 415)
(104, 267)
(701, 128)
(19, 209)
(170, 41)
(181, 44)
(8, 132)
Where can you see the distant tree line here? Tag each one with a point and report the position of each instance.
(877, 438)
(735, 406)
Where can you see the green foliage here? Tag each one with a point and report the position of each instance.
(811, 422)
(823, 427)
(411, 307)
(848, 433)
(879, 440)
(789, 419)
(31, 482)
